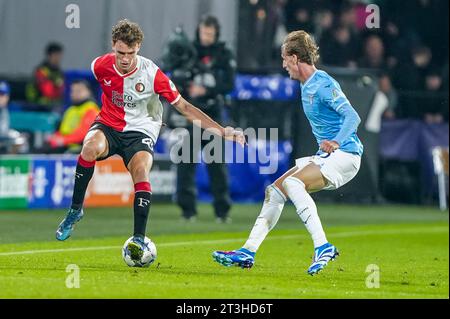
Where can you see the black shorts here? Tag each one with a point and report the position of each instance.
(125, 144)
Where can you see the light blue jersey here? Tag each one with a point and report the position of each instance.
(329, 112)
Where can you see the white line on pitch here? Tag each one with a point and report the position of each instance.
(232, 240)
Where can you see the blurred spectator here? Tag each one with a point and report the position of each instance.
(76, 121)
(263, 27)
(409, 77)
(424, 18)
(373, 57)
(210, 77)
(385, 86)
(11, 141)
(299, 16)
(434, 104)
(338, 47)
(445, 85)
(410, 73)
(347, 16)
(47, 87)
(323, 22)
(279, 22)
(383, 106)
(411, 40)
(395, 44)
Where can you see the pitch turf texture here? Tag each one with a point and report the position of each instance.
(409, 246)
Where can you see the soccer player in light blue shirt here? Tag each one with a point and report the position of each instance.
(334, 123)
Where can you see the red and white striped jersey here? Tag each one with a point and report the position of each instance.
(130, 102)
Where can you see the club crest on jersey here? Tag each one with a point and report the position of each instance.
(139, 87)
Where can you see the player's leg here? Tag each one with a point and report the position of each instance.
(273, 205)
(298, 186)
(267, 219)
(95, 146)
(139, 168)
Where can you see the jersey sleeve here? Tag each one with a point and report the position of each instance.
(93, 68)
(165, 87)
(332, 96)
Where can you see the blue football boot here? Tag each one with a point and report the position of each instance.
(322, 255)
(136, 247)
(66, 227)
(243, 258)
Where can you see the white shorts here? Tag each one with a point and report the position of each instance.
(338, 168)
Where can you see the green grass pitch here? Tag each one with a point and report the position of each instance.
(408, 247)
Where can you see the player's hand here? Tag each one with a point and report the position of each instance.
(329, 146)
(232, 134)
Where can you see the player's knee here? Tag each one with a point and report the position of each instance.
(274, 203)
(292, 183)
(140, 173)
(274, 195)
(91, 150)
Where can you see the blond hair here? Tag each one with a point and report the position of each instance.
(303, 46)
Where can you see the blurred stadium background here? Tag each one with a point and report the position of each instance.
(395, 75)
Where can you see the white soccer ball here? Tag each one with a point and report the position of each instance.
(147, 254)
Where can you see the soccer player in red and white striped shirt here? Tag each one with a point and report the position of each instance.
(129, 122)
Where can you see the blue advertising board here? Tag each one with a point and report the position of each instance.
(52, 181)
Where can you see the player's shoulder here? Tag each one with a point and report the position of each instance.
(147, 64)
(101, 64)
(326, 82)
(104, 60)
(323, 77)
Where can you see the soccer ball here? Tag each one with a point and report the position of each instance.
(147, 255)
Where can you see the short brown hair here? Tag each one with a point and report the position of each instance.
(128, 32)
(303, 46)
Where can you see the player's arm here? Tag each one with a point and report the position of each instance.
(165, 87)
(199, 118)
(334, 98)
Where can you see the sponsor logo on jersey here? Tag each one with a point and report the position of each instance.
(337, 94)
(172, 86)
(122, 101)
(117, 99)
(139, 87)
